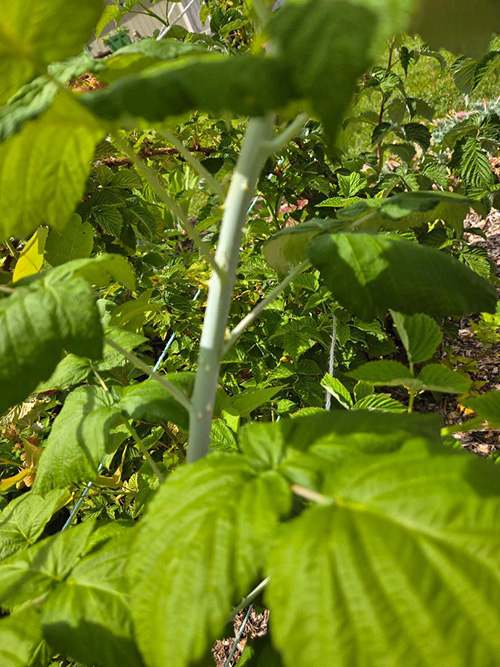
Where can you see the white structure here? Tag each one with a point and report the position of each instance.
(141, 24)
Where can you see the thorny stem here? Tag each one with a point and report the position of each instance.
(154, 180)
(138, 363)
(243, 184)
(254, 314)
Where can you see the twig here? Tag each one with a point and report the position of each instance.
(307, 494)
(254, 314)
(249, 598)
(138, 363)
(295, 127)
(154, 152)
(6, 289)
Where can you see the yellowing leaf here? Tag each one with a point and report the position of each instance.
(31, 258)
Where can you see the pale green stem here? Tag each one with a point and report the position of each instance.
(254, 314)
(7, 289)
(154, 180)
(142, 448)
(250, 163)
(138, 363)
(11, 249)
(307, 494)
(289, 133)
(193, 162)
(249, 598)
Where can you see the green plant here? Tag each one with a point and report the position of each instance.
(377, 542)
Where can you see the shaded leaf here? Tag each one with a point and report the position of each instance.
(335, 387)
(487, 407)
(38, 322)
(368, 274)
(435, 377)
(364, 578)
(20, 636)
(79, 439)
(200, 546)
(31, 36)
(32, 191)
(419, 334)
(74, 241)
(388, 373)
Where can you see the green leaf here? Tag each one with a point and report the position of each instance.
(329, 45)
(469, 32)
(79, 439)
(20, 636)
(368, 274)
(487, 407)
(419, 334)
(287, 248)
(74, 241)
(303, 448)
(418, 134)
(335, 387)
(339, 202)
(150, 401)
(30, 259)
(24, 519)
(111, 358)
(110, 13)
(435, 377)
(211, 83)
(98, 270)
(474, 165)
(407, 548)
(247, 401)
(388, 373)
(69, 371)
(382, 402)
(412, 209)
(60, 142)
(88, 615)
(34, 33)
(200, 547)
(37, 323)
(34, 572)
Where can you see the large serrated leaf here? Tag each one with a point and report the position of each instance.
(457, 25)
(369, 274)
(74, 241)
(78, 440)
(419, 334)
(411, 209)
(31, 36)
(32, 191)
(97, 270)
(384, 373)
(88, 615)
(23, 520)
(364, 579)
(435, 377)
(37, 323)
(200, 546)
(33, 573)
(301, 449)
(211, 83)
(20, 635)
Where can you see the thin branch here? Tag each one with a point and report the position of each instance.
(254, 314)
(191, 160)
(143, 449)
(6, 289)
(249, 598)
(289, 133)
(176, 20)
(12, 250)
(138, 363)
(154, 180)
(152, 153)
(307, 494)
